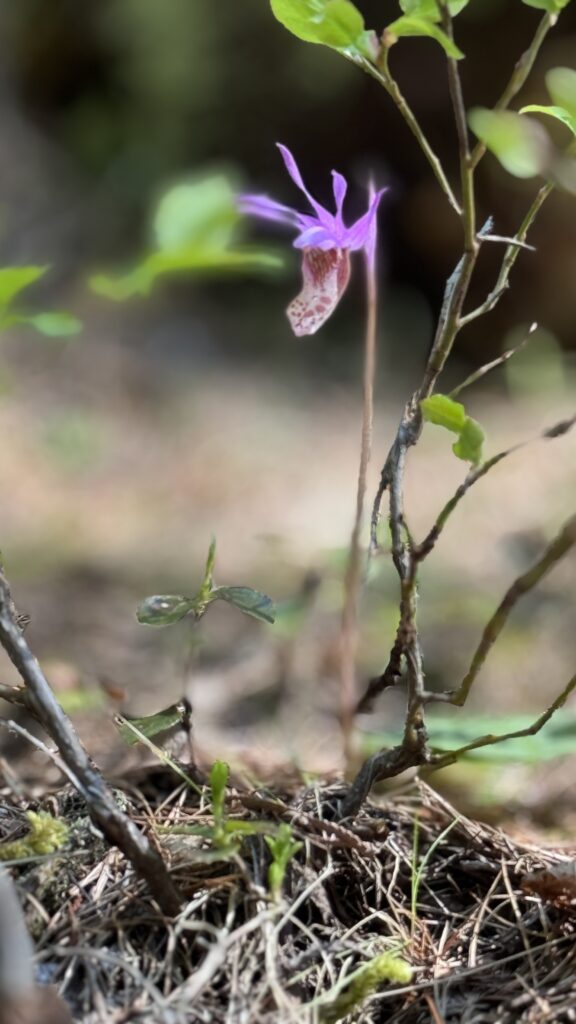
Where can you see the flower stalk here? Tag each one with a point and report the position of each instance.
(353, 577)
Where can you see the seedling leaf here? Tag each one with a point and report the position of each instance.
(251, 602)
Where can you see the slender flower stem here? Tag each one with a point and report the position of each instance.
(521, 71)
(353, 578)
(384, 77)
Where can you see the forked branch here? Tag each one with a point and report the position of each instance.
(442, 760)
(405, 660)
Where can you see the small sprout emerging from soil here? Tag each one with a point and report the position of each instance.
(282, 847)
(166, 609)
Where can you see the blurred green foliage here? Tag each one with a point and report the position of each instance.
(14, 280)
(194, 229)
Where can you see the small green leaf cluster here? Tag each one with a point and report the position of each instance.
(340, 25)
(194, 230)
(14, 280)
(420, 18)
(166, 609)
(445, 412)
(282, 847)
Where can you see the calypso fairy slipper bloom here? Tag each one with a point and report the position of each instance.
(326, 244)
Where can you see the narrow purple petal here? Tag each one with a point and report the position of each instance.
(315, 236)
(268, 209)
(292, 168)
(340, 186)
(362, 233)
(370, 246)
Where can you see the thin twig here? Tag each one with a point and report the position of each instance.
(15, 695)
(466, 168)
(19, 730)
(391, 675)
(487, 367)
(506, 240)
(510, 257)
(521, 71)
(383, 75)
(116, 826)
(557, 430)
(445, 759)
(564, 540)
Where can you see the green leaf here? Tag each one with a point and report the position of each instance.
(250, 601)
(410, 25)
(14, 279)
(561, 84)
(164, 609)
(169, 720)
(140, 280)
(429, 8)
(444, 412)
(219, 774)
(335, 23)
(53, 325)
(468, 447)
(197, 213)
(520, 144)
(552, 6)
(556, 112)
(209, 569)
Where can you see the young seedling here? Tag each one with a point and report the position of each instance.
(283, 847)
(166, 609)
(225, 834)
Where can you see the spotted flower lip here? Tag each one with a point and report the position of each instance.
(323, 230)
(326, 244)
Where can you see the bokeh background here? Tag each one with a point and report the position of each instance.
(194, 411)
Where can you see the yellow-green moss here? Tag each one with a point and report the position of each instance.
(46, 835)
(365, 981)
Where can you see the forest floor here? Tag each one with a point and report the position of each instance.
(410, 913)
(415, 912)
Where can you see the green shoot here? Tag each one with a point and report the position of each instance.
(282, 847)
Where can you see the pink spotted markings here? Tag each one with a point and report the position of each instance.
(326, 244)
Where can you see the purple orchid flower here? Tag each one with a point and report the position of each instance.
(326, 244)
